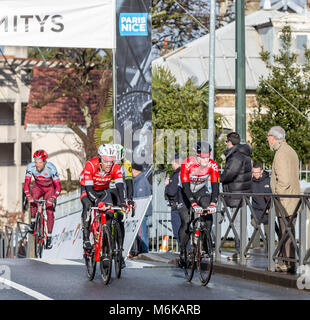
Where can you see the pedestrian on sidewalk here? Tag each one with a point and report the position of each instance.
(261, 184)
(284, 180)
(172, 191)
(236, 177)
(142, 188)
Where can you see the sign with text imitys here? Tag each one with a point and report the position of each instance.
(58, 23)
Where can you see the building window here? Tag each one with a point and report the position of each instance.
(301, 42)
(23, 113)
(6, 114)
(7, 154)
(26, 153)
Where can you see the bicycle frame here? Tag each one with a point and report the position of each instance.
(43, 217)
(99, 220)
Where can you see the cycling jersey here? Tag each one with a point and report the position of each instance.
(45, 178)
(195, 177)
(198, 176)
(99, 180)
(127, 176)
(126, 172)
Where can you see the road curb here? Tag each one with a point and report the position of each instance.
(284, 280)
(273, 278)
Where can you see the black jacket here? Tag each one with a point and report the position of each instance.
(237, 175)
(261, 185)
(172, 189)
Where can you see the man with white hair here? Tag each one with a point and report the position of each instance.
(284, 180)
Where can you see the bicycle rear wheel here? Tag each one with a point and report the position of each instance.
(106, 256)
(189, 258)
(205, 257)
(89, 258)
(117, 250)
(38, 236)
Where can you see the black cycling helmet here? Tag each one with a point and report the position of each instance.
(202, 149)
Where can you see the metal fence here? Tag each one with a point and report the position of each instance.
(14, 242)
(300, 246)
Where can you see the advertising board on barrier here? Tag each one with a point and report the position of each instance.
(67, 239)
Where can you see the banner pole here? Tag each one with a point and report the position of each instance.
(114, 93)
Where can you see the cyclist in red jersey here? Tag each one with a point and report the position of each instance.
(47, 184)
(95, 180)
(195, 173)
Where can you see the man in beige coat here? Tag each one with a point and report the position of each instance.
(284, 180)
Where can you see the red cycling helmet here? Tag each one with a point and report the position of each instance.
(40, 155)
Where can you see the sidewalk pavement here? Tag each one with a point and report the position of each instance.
(255, 268)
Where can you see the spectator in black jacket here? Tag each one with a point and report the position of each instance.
(237, 176)
(172, 190)
(261, 184)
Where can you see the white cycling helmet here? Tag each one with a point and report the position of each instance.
(107, 152)
(119, 152)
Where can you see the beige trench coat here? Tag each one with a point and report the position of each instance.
(285, 175)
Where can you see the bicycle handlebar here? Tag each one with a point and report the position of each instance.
(113, 208)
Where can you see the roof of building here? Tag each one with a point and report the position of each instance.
(60, 110)
(192, 60)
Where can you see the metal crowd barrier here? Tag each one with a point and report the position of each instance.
(14, 243)
(272, 249)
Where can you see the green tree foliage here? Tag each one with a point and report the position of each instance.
(171, 21)
(104, 134)
(176, 107)
(287, 87)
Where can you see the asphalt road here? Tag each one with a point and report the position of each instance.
(66, 280)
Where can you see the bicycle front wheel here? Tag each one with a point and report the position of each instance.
(38, 237)
(117, 250)
(89, 257)
(189, 258)
(106, 255)
(204, 257)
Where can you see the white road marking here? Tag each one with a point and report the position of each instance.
(137, 264)
(25, 290)
(59, 262)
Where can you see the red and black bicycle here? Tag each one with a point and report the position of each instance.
(40, 229)
(102, 248)
(200, 250)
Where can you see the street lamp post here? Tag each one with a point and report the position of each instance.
(240, 114)
(211, 76)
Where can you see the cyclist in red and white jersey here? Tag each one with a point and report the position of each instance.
(95, 180)
(196, 171)
(47, 184)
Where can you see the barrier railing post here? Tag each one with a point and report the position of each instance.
(218, 232)
(271, 236)
(28, 246)
(302, 232)
(16, 242)
(12, 243)
(4, 246)
(1, 244)
(243, 231)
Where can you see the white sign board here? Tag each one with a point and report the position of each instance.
(132, 225)
(58, 23)
(67, 238)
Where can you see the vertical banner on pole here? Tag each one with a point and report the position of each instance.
(134, 80)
